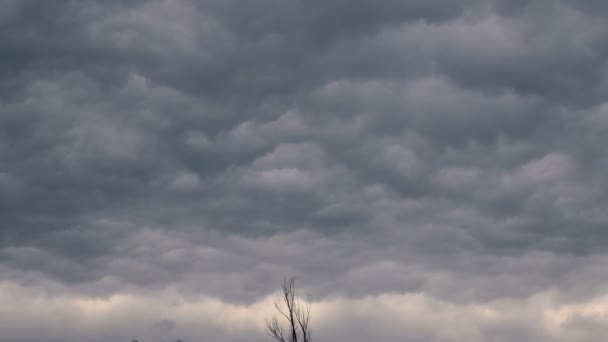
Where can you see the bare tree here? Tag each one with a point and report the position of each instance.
(294, 312)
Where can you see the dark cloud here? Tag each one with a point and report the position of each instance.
(373, 148)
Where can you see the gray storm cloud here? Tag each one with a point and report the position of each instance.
(429, 170)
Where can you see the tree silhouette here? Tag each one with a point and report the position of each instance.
(294, 312)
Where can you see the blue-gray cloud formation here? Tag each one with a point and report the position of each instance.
(431, 170)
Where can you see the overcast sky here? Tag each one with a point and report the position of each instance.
(430, 171)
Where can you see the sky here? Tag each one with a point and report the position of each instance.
(430, 171)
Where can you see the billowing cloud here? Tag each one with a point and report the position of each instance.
(429, 170)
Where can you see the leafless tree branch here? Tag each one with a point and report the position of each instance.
(295, 313)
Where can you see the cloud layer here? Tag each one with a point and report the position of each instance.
(416, 164)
